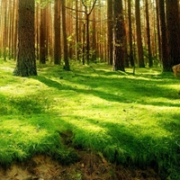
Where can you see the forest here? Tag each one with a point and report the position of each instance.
(122, 33)
(89, 89)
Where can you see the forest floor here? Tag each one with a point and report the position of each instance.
(89, 167)
(86, 118)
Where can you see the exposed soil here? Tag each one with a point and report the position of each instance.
(90, 167)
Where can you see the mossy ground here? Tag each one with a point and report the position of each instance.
(130, 120)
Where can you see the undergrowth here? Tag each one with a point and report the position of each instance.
(131, 120)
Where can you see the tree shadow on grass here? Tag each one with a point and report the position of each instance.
(124, 90)
(124, 145)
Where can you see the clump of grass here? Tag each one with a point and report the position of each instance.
(132, 120)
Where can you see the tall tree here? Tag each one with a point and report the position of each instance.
(173, 30)
(65, 47)
(119, 37)
(130, 34)
(110, 30)
(148, 34)
(138, 33)
(57, 37)
(88, 6)
(164, 49)
(43, 40)
(26, 63)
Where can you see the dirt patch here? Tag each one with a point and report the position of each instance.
(90, 167)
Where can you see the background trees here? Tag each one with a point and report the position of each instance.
(151, 31)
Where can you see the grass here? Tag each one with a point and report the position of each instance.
(133, 120)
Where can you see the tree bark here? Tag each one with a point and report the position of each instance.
(130, 35)
(164, 49)
(119, 37)
(57, 35)
(148, 35)
(138, 32)
(110, 31)
(173, 30)
(65, 48)
(26, 63)
(43, 40)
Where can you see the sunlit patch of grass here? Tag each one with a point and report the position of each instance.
(130, 119)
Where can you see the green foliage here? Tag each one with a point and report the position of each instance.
(133, 120)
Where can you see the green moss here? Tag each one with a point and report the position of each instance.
(129, 119)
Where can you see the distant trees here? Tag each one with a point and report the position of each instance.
(122, 33)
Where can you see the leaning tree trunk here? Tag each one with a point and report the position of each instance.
(26, 63)
(119, 37)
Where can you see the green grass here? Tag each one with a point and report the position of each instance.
(133, 120)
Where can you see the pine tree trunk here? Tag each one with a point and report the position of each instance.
(65, 48)
(26, 63)
(138, 32)
(130, 35)
(110, 31)
(173, 30)
(164, 49)
(57, 37)
(119, 37)
(148, 35)
(43, 40)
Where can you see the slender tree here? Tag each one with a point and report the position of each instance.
(26, 63)
(88, 6)
(57, 35)
(164, 48)
(65, 47)
(110, 30)
(43, 40)
(148, 34)
(130, 35)
(138, 33)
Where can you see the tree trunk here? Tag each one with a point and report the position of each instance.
(164, 53)
(65, 48)
(119, 37)
(110, 31)
(138, 32)
(148, 35)
(26, 63)
(57, 37)
(130, 35)
(173, 30)
(43, 42)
